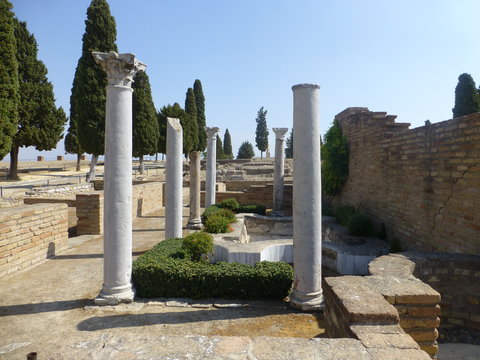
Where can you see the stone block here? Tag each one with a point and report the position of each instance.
(424, 310)
(398, 354)
(423, 334)
(419, 322)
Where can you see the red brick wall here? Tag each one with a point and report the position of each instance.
(31, 233)
(423, 183)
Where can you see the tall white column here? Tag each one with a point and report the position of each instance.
(195, 221)
(211, 166)
(279, 172)
(174, 180)
(307, 292)
(117, 243)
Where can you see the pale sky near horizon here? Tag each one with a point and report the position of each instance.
(399, 56)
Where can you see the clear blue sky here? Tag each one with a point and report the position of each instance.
(399, 56)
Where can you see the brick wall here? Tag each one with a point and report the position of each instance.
(423, 183)
(31, 233)
(255, 194)
(146, 197)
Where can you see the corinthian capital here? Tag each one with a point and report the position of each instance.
(120, 68)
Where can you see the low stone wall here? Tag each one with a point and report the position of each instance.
(256, 194)
(30, 234)
(457, 278)
(387, 310)
(146, 198)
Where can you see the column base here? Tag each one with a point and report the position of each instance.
(195, 224)
(307, 301)
(115, 296)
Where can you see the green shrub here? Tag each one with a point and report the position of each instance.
(217, 224)
(343, 214)
(231, 204)
(229, 214)
(162, 272)
(360, 225)
(252, 208)
(198, 244)
(212, 209)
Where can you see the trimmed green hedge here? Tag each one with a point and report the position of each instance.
(164, 271)
(252, 208)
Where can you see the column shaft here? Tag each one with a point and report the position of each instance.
(174, 180)
(210, 185)
(279, 173)
(307, 207)
(195, 221)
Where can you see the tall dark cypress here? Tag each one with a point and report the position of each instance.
(201, 119)
(190, 126)
(87, 102)
(261, 133)
(9, 88)
(40, 122)
(220, 153)
(227, 145)
(145, 124)
(467, 99)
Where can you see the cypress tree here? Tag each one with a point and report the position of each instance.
(40, 122)
(72, 146)
(466, 96)
(227, 145)
(87, 102)
(201, 119)
(245, 151)
(289, 147)
(190, 126)
(9, 87)
(145, 123)
(261, 133)
(220, 153)
(171, 111)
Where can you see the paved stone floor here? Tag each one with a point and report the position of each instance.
(48, 309)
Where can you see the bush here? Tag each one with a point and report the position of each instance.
(217, 224)
(343, 214)
(228, 214)
(211, 210)
(252, 208)
(198, 244)
(231, 204)
(162, 272)
(360, 225)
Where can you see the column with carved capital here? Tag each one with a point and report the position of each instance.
(117, 219)
(174, 180)
(211, 180)
(307, 292)
(279, 172)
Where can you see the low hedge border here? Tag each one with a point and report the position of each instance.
(164, 271)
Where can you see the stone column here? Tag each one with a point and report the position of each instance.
(195, 221)
(117, 218)
(279, 173)
(211, 166)
(307, 292)
(174, 180)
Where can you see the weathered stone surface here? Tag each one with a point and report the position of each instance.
(398, 354)
(360, 303)
(397, 265)
(178, 302)
(423, 334)
(341, 349)
(202, 303)
(229, 304)
(406, 290)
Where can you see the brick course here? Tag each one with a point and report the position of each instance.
(30, 234)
